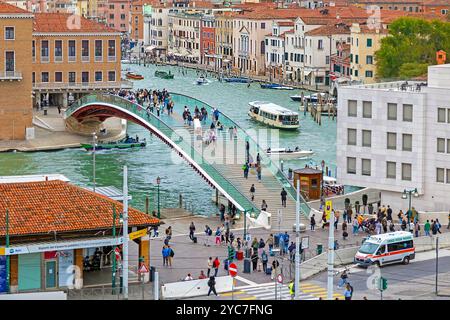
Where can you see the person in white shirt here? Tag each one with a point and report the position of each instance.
(188, 277)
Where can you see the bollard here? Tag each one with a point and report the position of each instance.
(180, 204)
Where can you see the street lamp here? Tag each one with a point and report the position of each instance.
(408, 194)
(158, 182)
(321, 191)
(94, 140)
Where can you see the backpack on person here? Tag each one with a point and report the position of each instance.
(209, 231)
(211, 282)
(172, 253)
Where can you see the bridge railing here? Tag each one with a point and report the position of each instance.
(182, 99)
(172, 135)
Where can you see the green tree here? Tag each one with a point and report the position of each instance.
(411, 44)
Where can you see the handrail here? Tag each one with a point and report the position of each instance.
(159, 124)
(265, 159)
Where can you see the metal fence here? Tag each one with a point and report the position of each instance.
(135, 292)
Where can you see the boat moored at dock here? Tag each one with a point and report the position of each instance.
(286, 154)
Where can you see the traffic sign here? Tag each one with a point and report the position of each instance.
(328, 208)
(117, 253)
(280, 278)
(137, 234)
(232, 269)
(143, 269)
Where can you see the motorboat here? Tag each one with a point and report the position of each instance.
(314, 98)
(125, 61)
(285, 154)
(331, 187)
(126, 143)
(134, 76)
(201, 80)
(237, 80)
(273, 115)
(275, 86)
(164, 75)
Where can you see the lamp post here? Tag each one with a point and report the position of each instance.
(158, 182)
(321, 188)
(94, 141)
(407, 194)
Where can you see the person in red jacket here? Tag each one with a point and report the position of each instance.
(216, 264)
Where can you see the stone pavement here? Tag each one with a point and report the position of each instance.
(50, 133)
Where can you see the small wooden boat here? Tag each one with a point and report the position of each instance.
(134, 76)
(275, 86)
(313, 98)
(201, 80)
(285, 154)
(163, 74)
(123, 144)
(237, 80)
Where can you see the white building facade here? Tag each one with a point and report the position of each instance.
(396, 136)
(156, 29)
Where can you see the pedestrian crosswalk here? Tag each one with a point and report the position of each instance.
(267, 291)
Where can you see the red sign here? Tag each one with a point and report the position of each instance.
(117, 253)
(232, 269)
(143, 269)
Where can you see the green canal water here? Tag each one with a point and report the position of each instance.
(146, 164)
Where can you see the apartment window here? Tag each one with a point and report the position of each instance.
(85, 77)
(84, 50)
(320, 45)
(441, 145)
(351, 165)
(369, 74)
(9, 33)
(440, 175)
(356, 58)
(391, 140)
(392, 111)
(391, 168)
(98, 50)
(351, 137)
(33, 77)
(441, 115)
(33, 50)
(111, 16)
(369, 59)
(406, 171)
(72, 77)
(98, 76)
(58, 77)
(9, 62)
(44, 76)
(448, 113)
(263, 25)
(111, 50)
(408, 112)
(407, 142)
(352, 108)
(44, 51)
(367, 109)
(72, 51)
(448, 176)
(58, 50)
(369, 43)
(365, 167)
(366, 138)
(111, 76)
(448, 145)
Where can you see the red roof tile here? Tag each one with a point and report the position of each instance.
(9, 8)
(40, 207)
(61, 22)
(329, 29)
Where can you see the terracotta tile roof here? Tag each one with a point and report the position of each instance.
(329, 29)
(39, 207)
(285, 23)
(9, 8)
(436, 3)
(58, 22)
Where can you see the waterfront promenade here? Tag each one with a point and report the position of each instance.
(51, 134)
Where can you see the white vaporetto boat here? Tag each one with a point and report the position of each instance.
(273, 115)
(284, 154)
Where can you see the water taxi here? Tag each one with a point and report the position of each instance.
(273, 115)
(163, 74)
(126, 143)
(134, 76)
(286, 154)
(201, 80)
(313, 98)
(275, 86)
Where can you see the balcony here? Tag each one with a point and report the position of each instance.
(85, 58)
(105, 85)
(243, 53)
(72, 58)
(111, 58)
(98, 59)
(10, 75)
(58, 58)
(45, 59)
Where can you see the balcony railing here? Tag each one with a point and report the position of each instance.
(58, 58)
(10, 75)
(45, 59)
(85, 58)
(98, 59)
(82, 85)
(111, 58)
(72, 58)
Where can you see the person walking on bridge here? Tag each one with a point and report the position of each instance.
(283, 197)
(252, 192)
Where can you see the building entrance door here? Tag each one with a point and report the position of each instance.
(50, 274)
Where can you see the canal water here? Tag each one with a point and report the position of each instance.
(146, 164)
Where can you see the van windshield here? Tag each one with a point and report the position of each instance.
(368, 248)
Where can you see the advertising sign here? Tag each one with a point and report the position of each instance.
(65, 274)
(2, 274)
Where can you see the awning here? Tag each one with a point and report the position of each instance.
(226, 60)
(150, 48)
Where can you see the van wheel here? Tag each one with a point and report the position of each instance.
(406, 260)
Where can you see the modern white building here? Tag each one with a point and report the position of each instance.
(396, 136)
